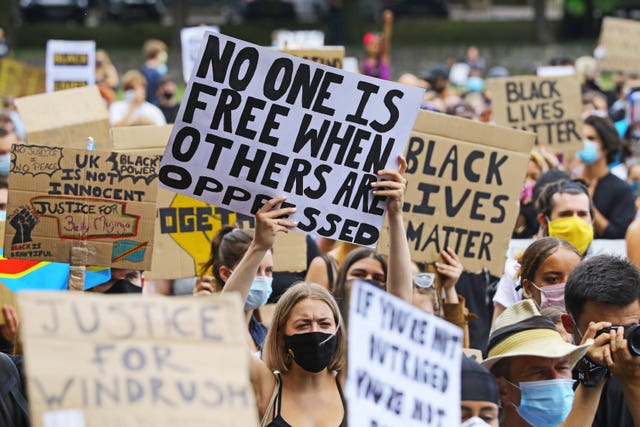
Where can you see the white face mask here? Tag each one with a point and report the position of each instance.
(130, 95)
(475, 422)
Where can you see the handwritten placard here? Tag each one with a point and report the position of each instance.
(256, 124)
(61, 197)
(136, 361)
(404, 364)
(550, 107)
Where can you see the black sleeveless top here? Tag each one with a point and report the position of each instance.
(278, 421)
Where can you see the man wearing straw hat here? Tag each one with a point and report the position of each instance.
(532, 365)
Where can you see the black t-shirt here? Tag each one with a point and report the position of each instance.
(614, 199)
(473, 287)
(170, 113)
(612, 410)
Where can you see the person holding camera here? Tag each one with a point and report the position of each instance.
(602, 298)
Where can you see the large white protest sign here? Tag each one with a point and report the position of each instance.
(404, 364)
(191, 39)
(256, 123)
(70, 64)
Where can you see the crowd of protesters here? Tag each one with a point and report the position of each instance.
(554, 329)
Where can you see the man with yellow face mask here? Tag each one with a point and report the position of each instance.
(564, 211)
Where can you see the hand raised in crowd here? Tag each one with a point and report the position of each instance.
(10, 329)
(449, 273)
(393, 187)
(205, 285)
(270, 220)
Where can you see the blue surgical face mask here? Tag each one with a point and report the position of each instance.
(546, 403)
(162, 69)
(5, 164)
(589, 154)
(3, 215)
(259, 293)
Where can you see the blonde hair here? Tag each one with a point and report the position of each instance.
(536, 157)
(132, 77)
(152, 48)
(275, 353)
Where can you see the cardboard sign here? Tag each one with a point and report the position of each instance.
(404, 364)
(66, 118)
(19, 79)
(550, 107)
(464, 181)
(328, 55)
(136, 361)
(61, 198)
(619, 50)
(185, 227)
(256, 123)
(284, 39)
(190, 39)
(70, 64)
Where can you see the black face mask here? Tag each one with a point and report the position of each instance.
(123, 286)
(312, 351)
(168, 95)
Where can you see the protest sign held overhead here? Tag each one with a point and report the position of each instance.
(404, 364)
(255, 123)
(127, 361)
(66, 118)
(550, 107)
(464, 181)
(191, 39)
(19, 79)
(618, 48)
(62, 198)
(70, 64)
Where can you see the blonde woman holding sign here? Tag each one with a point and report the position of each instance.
(297, 384)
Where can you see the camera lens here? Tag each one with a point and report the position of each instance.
(632, 335)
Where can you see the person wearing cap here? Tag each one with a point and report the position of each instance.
(600, 292)
(438, 80)
(532, 365)
(479, 397)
